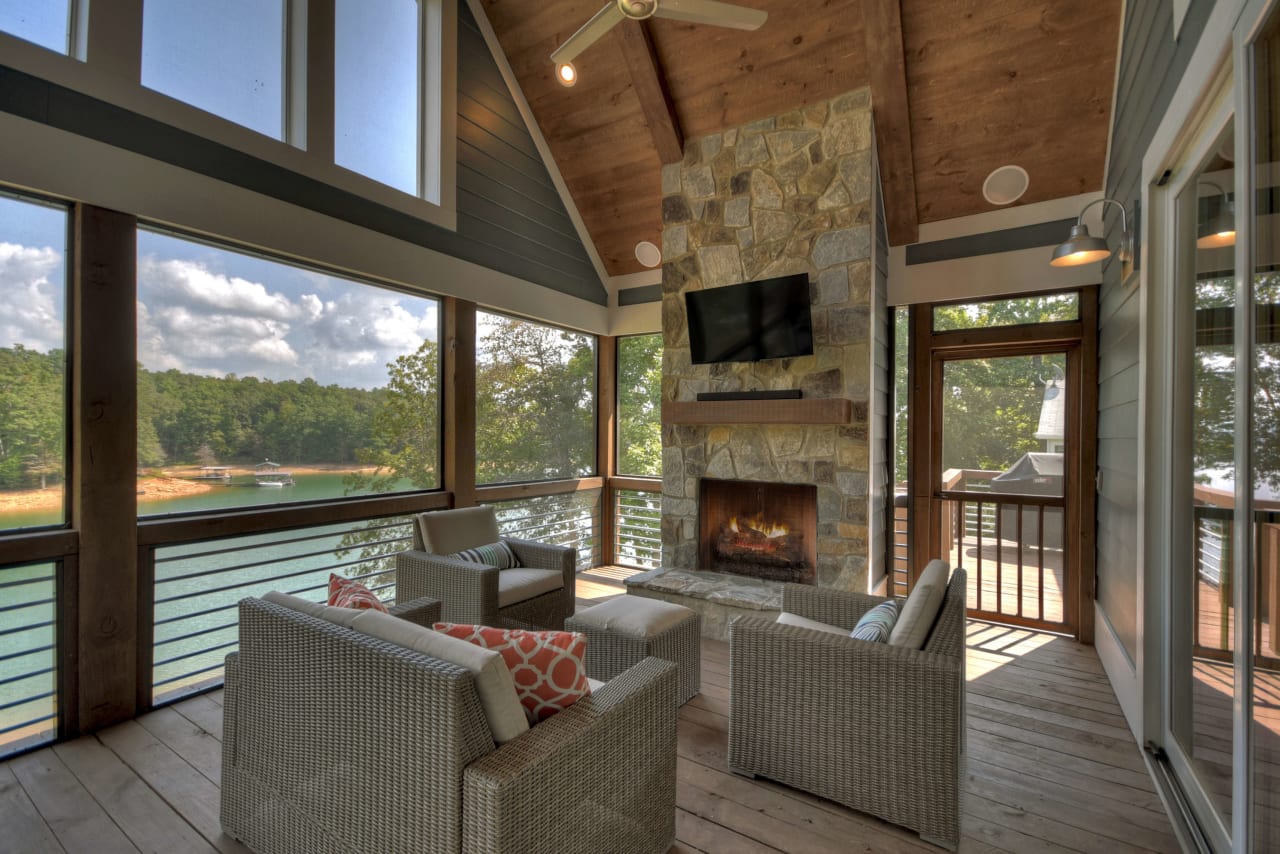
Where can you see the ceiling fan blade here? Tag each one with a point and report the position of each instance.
(601, 22)
(712, 12)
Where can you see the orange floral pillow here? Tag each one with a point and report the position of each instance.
(547, 666)
(347, 593)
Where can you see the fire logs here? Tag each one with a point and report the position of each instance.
(753, 546)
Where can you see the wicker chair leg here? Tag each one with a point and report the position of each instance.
(941, 843)
(750, 775)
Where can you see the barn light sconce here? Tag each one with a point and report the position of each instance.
(1083, 248)
(1221, 230)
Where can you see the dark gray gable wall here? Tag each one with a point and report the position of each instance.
(1151, 65)
(507, 202)
(510, 218)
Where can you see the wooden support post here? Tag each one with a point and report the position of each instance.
(104, 464)
(459, 427)
(924, 532)
(607, 438)
(1087, 466)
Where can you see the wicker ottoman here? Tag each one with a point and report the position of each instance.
(625, 630)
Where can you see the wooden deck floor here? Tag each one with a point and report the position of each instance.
(1051, 768)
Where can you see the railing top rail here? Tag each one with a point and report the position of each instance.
(1001, 498)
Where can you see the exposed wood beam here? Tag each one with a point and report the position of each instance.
(886, 66)
(651, 89)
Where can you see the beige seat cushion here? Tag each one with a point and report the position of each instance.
(447, 531)
(340, 616)
(493, 680)
(632, 616)
(522, 583)
(922, 606)
(786, 619)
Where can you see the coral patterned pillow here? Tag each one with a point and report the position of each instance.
(346, 593)
(547, 666)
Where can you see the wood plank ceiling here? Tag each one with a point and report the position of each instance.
(987, 83)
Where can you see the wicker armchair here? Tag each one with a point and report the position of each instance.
(875, 727)
(479, 594)
(336, 741)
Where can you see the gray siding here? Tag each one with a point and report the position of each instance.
(879, 487)
(1151, 64)
(510, 218)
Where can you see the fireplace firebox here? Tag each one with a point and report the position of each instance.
(757, 529)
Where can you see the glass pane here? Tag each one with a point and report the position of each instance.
(1265, 406)
(226, 58)
(198, 586)
(28, 679)
(260, 382)
(376, 90)
(1204, 674)
(1007, 312)
(33, 363)
(45, 22)
(640, 405)
(535, 401)
(899, 548)
(1004, 424)
(570, 519)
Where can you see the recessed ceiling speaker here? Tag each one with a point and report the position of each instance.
(1005, 185)
(648, 254)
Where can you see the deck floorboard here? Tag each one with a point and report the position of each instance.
(1051, 769)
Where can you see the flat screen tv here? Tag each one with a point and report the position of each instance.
(768, 319)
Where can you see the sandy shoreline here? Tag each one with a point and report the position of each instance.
(159, 485)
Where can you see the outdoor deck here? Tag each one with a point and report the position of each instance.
(1051, 768)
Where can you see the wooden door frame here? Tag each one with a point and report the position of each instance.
(926, 352)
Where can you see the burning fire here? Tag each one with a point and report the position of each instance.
(757, 524)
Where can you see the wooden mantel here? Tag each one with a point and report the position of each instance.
(827, 410)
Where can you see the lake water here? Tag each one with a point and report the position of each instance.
(196, 594)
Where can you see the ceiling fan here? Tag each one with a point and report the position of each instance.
(694, 11)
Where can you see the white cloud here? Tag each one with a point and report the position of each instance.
(33, 314)
(197, 320)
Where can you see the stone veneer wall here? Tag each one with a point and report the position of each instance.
(778, 196)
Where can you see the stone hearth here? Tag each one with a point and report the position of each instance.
(783, 195)
(718, 597)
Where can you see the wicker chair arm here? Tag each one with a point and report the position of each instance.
(468, 592)
(834, 607)
(542, 555)
(599, 776)
(423, 611)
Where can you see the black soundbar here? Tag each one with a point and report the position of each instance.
(783, 394)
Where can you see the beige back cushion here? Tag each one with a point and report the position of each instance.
(922, 606)
(447, 531)
(494, 684)
(341, 616)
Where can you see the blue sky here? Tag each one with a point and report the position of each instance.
(212, 311)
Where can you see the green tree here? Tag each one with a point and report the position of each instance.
(640, 405)
(535, 402)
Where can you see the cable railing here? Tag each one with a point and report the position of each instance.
(564, 519)
(198, 585)
(637, 528)
(28, 672)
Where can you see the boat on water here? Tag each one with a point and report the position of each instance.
(214, 473)
(270, 475)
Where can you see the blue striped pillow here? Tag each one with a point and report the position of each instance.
(877, 624)
(497, 554)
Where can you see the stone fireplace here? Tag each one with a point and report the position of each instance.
(783, 195)
(758, 529)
